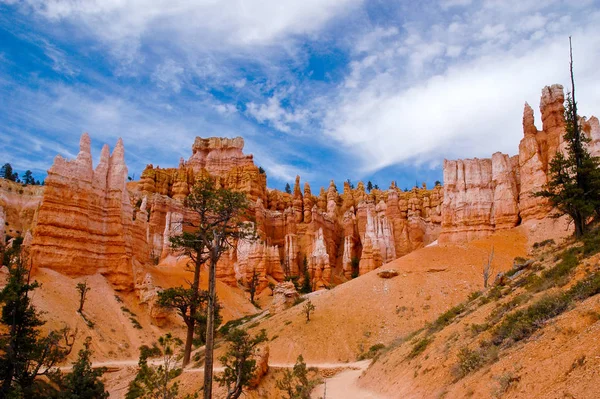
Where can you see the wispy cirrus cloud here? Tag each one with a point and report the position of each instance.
(321, 88)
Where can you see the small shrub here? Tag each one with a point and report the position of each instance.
(479, 328)
(522, 323)
(591, 244)
(469, 360)
(543, 243)
(474, 295)
(231, 324)
(504, 308)
(585, 288)
(493, 295)
(559, 274)
(372, 352)
(135, 323)
(126, 310)
(446, 318)
(505, 381)
(419, 347)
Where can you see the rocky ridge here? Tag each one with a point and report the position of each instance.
(485, 195)
(90, 220)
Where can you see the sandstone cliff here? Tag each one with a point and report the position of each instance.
(85, 219)
(18, 208)
(485, 195)
(321, 233)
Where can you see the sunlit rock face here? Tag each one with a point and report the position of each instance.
(85, 219)
(88, 220)
(299, 231)
(485, 195)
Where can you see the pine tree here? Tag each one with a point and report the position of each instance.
(28, 177)
(83, 382)
(24, 353)
(369, 186)
(238, 362)
(296, 383)
(288, 188)
(157, 382)
(7, 172)
(574, 183)
(218, 224)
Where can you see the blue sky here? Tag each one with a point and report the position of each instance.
(375, 90)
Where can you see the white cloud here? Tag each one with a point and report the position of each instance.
(204, 23)
(454, 3)
(169, 74)
(274, 114)
(464, 108)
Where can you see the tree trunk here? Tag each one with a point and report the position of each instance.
(210, 327)
(189, 338)
(187, 348)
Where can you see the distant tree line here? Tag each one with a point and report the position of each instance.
(7, 172)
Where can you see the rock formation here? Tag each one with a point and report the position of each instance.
(484, 195)
(18, 208)
(284, 296)
(85, 218)
(323, 232)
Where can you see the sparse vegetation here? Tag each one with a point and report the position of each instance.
(232, 324)
(307, 309)
(543, 243)
(238, 362)
(157, 382)
(296, 383)
(446, 318)
(419, 347)
(469, 360)
(505, 381)
(373, 352)
(83, 289)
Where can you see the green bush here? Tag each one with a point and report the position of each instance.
(522, 323)
(543, 243)
(419, 347)
(372, 352)
(446, 318)
(504, 308)
(469, 360)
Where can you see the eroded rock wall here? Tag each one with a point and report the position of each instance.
(485, 195)
(18, 208)
(85, 221)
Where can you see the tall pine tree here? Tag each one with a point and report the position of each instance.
(24, 353)
(574, 184)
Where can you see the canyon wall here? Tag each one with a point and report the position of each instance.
(85, 221)
(88, 220)
(329, 234)
(18, 208)
(485, 195)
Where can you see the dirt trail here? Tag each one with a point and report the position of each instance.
(343, 385)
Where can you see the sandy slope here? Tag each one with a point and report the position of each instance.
(561, 360)
(114, 336)
(369, 310)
